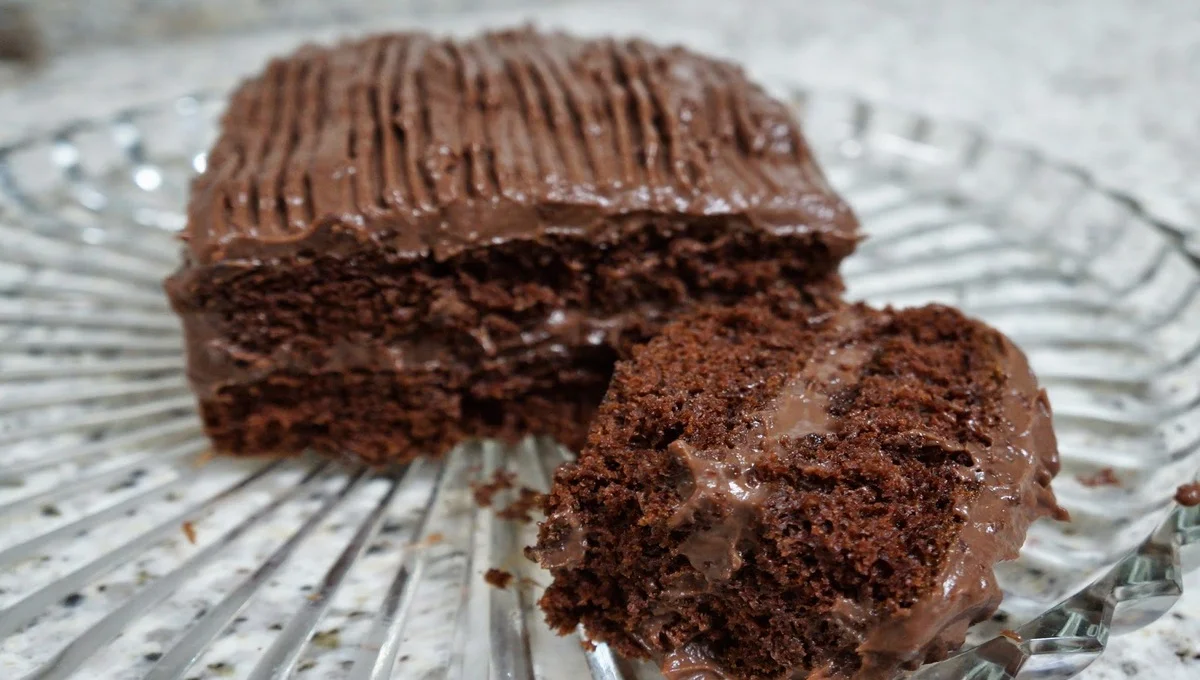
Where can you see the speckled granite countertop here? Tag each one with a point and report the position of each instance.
(1110, 85)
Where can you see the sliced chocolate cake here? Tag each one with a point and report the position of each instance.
(800, 491)
(404, 241)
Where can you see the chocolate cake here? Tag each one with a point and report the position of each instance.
(403, 241)
(800, 491)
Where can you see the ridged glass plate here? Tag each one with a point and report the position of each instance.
(127, 551)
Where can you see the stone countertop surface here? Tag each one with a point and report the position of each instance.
(1110, 85)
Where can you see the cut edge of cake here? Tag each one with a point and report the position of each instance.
(805, 514)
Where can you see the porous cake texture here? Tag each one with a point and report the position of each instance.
(800, 490)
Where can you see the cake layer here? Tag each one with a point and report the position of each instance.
(217, 362)
(384, 416)
(382, 419)
(800, 491)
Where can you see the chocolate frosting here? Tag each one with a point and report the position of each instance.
(691, 662)
(424, 147)
(569, 548)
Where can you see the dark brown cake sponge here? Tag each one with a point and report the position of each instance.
(803, 491)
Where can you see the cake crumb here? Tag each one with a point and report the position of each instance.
(587, 645)
(1103, 477)
(435, 538)
(498, 578)
(520, 509)
(189, 530)
(484, 492)
(328, 639)
(203, 458)
(21, 38)
(1188, 495)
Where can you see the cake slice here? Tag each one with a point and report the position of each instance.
(403, 241)
(800, 491)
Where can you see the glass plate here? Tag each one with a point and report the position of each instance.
(126, 550)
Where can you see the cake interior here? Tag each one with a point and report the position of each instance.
(773, 513)
(386, 355)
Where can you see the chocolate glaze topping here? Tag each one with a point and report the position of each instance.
(426, 146)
